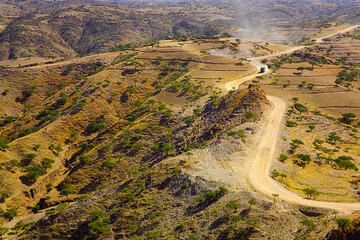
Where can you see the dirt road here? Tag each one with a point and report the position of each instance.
(258, 174)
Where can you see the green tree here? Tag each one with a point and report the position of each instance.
(333, 137)
(343, 223)
(347, 118)
(4, 144)
(311, 193)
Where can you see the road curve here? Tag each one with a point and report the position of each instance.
(259, 172)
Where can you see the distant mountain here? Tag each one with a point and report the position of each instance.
(62, 29)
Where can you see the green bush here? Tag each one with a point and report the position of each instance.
(47, 162)
(290, 123)
(4, 144)
(303, 160)
(9, 214)
(96, 126)
(32, 173)
(27, 93)
(55, 149)
(7, 120)
(100, 223)
(300, 107)
(240, 134)
(333, 138)
(311, 193)
(343, 223)
(164, 148)
(99, 226)
(110, 165)
(347, 118)
(283, 157)
(4, 195)
(345, 162)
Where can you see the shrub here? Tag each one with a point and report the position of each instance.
(283, 157)
(232, 205)
(347, 118)
(48, 115)
(333, 138)
(212, 196)
(110, 165)
(55, 149)
(25, 131)
(47, 162)
(250, 115)
(164, 148)
(240, 134)
(66, 190)
(290, 123)
(36, 147)
(32, 173)
(9, 214)
(311, 193)
(96, 126)
(309, 224)
(99, 226)
(303, 160)
(345, 162)
(4, 195)
(27, 93)
(4, 144)
(343, 223)
(7, 120)
(84, 159)
(301, 108)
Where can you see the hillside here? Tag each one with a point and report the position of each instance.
(63, 29)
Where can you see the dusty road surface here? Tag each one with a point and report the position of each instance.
(258, 175)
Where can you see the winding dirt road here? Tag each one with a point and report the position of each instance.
(259, 173)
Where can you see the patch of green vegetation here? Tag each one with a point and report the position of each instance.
(100, 223)
(4, 144)
(96, 126)
(7, 120)
(211, 196)
(32, 173)
(283, 157)
(302, 160)
(27, 93)
(348, 118)
(344, 223)
(239, 134)
(290, 123)
(311, 193)
(47, 162)
(345, 162)
(345, 77)
(108, 164)
(300, 107)
(123, 47)
(164, 148)
(8, 214)
(4, 195)
(55, 149)
(295, 143)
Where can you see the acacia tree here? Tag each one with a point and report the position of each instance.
(347, 118)
(311, 193)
